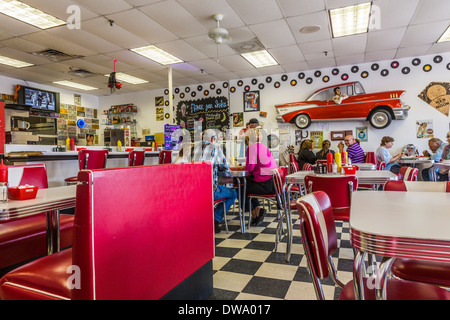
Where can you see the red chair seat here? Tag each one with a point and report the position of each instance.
(422, 271)
(42, 279)
(398, 290)
(262, 195)
(25, 239)
(219, 200)
(71, 179)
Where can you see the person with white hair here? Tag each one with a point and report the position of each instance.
(208, 150)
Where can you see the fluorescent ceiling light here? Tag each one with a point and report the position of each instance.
(129, 79)
(14, 63)
(25, 13)
(157, 54)
(260, 58)
(445, 36)
(350, 20)
(75, 85)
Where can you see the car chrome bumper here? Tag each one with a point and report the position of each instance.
(401, 113)
(279, 118)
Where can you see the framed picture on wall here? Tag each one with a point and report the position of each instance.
(361, 134)
(251, 101)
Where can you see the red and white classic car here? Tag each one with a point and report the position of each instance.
(379, 108)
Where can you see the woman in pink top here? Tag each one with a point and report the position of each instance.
(260, 163)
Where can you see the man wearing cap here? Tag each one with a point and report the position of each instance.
(208, 150)
(253, 123)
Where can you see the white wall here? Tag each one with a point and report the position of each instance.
(403, 131)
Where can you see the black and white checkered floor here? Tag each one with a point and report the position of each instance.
(246, 267)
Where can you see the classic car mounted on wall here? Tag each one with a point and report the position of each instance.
(379, 108)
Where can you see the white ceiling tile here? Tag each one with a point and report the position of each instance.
(103, 7)
(314, 19)
(350, 44)
(273, 34)
(292, 8)
(419, 34)
(413, 51)
(287, 55)
(326, 62)
(440, 47)
(257, 11)
(380, 55)
(432, 10)
(350, 59)
(385, 39)
(314, 50)
(294, 67)
(182, 50)
(385, 13)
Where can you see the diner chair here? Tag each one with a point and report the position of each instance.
(296, 189)
(319, 239)
(271, 198)
(381, 165)
(408, 174)
(222, 202)
(437, 273)
(371, 158)
(136, 158)
(308, 167)
(114, 256)
(25, 238)
(89, 159)
(292, 157)
(338, 188)
(165, 156)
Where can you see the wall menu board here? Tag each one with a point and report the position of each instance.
(213, 113)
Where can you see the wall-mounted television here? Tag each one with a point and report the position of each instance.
(40, 100)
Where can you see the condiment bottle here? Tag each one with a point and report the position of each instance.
(3, 182)
(338, 160)
(67, 144)
(329, 161)
(72, 144)
(3, 172)
(119, 145)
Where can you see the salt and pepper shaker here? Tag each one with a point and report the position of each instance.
(3, 182)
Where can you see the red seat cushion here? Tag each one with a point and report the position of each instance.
(71, 179)
(45, 278)
(399, 290)
(422, 271)
(25, 238)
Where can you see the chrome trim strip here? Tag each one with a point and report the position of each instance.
(36, 290)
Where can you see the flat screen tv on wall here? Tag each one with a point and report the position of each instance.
(40, 100)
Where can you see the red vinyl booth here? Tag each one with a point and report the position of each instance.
(139, 234)
(136, 158)
(25, 238)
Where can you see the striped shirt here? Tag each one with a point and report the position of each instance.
(356, 153)
(206, 151)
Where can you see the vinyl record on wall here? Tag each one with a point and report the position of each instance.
(269, 79)
(416, 62)
(199, 88)
(187, 89)
(326, 78)
(261, 86)
(193, 94)
(394, 64)
(277, 84)
(364, 74)
(309, 80)
(301, 75)
(344, 76)
(166, 92)
(225, 85)
(427, 68)
(448, 66)
(212, 86)
(284, 77)
(254, 81)
(182, 95)
(406, 70)
(167, 116)
(293, 83)
(177, 90)
(232, 89)
(240, 83)
(384, 72)
(247, 88)
(218, 91)
(335, 72)
(375, 66)
(206, 93)
(355, 69)
(317, 73)
(166, 102)
(437, 59)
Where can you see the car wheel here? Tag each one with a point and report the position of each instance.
(303, 121)
(380, 119)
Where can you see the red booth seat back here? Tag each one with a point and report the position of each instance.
(418, 186)
(92, 159)
(165, 157)
(133, 233)
(32, 174)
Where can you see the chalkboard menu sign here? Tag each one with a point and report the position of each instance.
(212, 113)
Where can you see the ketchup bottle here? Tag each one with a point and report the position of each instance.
(3, 173)
(329, 161)
(72, 144)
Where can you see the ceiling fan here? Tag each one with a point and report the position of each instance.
(218, 34)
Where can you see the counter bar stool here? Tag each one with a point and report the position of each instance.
(89, 159)
(319, 241)
(136, 158)
(165, 157)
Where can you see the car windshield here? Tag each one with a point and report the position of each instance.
(323, 95)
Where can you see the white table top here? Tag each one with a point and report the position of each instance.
(364, 176)
(416, 160)
(46, 200)
(445, 165)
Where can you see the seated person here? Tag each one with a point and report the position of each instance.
(322, 154)
(442, 175)
(339, 96)
(208, 150)
(260, 163)
(383, 154)
(436, 146)
(306, 154)
(354, 151)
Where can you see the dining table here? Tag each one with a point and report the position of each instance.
(50, 201)
(445, 165)
(376, 177)
(394, 224)
(238, 177)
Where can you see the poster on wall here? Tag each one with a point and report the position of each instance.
(437, 95)
(424, 129)
(238, 119)
(317, 138)
(361, 134)
(251, 101)
(212, 113)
